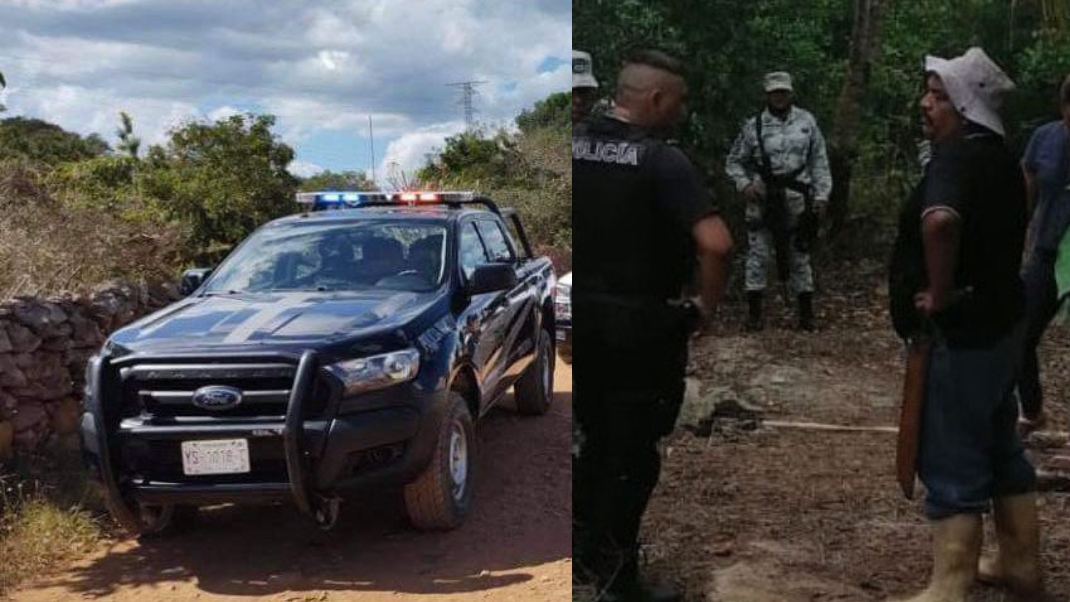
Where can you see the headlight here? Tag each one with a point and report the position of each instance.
(90, 382)
(376, 372)
(563, 302)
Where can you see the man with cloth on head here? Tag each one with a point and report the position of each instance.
(780, 164)
(954, 279)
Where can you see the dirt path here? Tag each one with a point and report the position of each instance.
(778, 515)
(515, 547)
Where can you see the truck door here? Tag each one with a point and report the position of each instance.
(481, 323)
(519, 307)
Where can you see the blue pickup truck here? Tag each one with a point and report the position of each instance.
(332, 351)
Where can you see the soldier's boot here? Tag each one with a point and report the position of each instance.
(1016, 565)
(755, 322)
(956, 550)
(806, 312)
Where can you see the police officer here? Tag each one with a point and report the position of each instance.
(631, 324)
(786, 182)
(584, 85)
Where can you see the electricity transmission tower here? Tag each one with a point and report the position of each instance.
(468, 94)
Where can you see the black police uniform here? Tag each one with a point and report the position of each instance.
(635, 202)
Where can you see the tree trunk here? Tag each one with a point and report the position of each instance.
(843, 148)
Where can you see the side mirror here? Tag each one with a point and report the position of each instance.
(192, 280)
(492, 277)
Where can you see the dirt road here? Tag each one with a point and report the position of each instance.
(762, 514)
(515, 547)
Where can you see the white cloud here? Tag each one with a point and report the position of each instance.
(409, 152)
(224, 112)
(303, 169)
(321, 66)
(87, 110)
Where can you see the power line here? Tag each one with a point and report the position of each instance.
(371, 134)
(468, 93)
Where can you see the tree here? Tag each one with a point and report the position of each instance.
(338, 180)
(530, 171)
(128, 142)
(221, 179)
(554, 111)
(3, 84)
(42, 142)
(474, 157)
(865, 39)
(857, 66)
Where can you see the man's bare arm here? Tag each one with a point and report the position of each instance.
(713, 244)
(941, 231)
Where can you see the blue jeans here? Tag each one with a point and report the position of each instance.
(970, 451)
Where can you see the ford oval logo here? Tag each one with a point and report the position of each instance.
(216, 397)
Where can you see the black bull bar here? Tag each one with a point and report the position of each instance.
(100, 453)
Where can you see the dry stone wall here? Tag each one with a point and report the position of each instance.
(45, 344)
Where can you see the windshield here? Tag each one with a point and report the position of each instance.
(353, 256)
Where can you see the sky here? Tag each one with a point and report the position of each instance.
(321, 67)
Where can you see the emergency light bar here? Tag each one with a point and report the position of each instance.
(318, 201)
(330, 199)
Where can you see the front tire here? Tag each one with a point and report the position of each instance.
(142, 521)
(439, 499)
(154, 521)
(535, 389)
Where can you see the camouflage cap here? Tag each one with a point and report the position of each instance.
(777, 80)
(582, 70)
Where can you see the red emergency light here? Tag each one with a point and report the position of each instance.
(419, 197)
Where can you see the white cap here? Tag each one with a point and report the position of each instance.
(975, 85)
(582, 70)
(777, 81)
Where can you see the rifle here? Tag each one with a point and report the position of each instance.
(774, 207)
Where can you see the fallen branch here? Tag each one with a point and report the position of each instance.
(817, 426)
(1039, 439)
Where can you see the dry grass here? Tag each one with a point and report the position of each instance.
(41, 537)
(47, 246)
(49, 515)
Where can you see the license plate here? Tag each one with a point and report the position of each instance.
(220, 456)
(561, 335)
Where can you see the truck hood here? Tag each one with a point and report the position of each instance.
(272, 319)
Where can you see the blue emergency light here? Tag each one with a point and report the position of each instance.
(336, 199)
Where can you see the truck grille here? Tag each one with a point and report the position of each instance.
(166, 390)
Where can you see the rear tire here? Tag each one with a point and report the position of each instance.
(439, 499)
(535, 389)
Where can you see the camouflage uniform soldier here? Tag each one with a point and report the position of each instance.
(786, 185)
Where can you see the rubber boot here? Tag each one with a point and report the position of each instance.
(755, 322)
(956, 550)
(647, 592)
(1016, 565)
(632, 587)
(806, 312)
